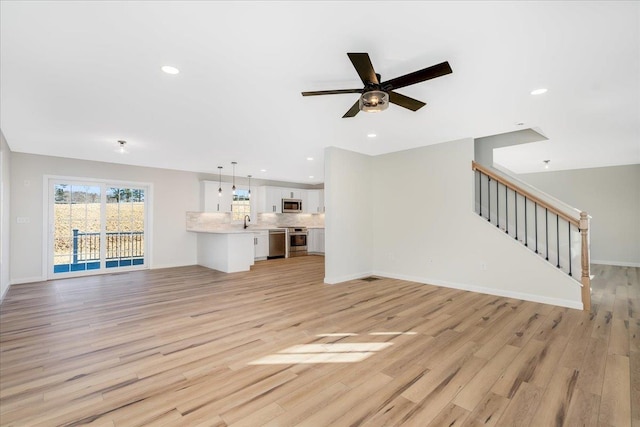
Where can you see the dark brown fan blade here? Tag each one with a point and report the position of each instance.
(417, 76)
(331, 92)
(405, 101)
(362, 64)
(355, 108)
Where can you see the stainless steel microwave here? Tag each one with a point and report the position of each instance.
(291, 205)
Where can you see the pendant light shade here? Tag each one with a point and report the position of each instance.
(219, 181)
(233, 189)
(374, 101)
(249, 185)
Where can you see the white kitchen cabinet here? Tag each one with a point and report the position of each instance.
(269, 200)
(211, 201)
(291, 193)
(314, 201)
(320, 240)
(315, 241)
(261, 244)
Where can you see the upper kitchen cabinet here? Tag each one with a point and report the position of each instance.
(211, 201)
(313, 202)
(292, 193)
(269, 199)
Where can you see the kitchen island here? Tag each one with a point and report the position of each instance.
(229, 251)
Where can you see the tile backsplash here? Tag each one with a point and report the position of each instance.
(222, 220)
(208, 220)
(290, 220)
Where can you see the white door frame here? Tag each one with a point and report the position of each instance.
(48, 226)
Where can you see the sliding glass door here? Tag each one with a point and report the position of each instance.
(95, 227)
(125, 226)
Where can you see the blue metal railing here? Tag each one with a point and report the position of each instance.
(86, 246)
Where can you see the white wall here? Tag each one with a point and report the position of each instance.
(421, 226)
(348, 203)
(483, 147)
(174, 193)
(611, 195)
(5, 215)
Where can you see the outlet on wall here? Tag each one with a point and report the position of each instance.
(483, 266)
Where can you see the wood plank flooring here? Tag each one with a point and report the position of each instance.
(277, 347)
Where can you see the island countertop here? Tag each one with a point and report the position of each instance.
(228, 230)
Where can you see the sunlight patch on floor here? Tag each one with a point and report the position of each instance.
(323, 353)
(351, 334)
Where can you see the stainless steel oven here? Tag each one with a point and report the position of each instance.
(297, 241)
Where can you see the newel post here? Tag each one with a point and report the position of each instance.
(586, 277)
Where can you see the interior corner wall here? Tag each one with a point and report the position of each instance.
(5, 215)
(425, 230)
(174, 193)
(348, 218)
(483, 147)
(611, 195)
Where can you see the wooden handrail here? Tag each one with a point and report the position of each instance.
(529, 195)
(582, 224)
(585, 279)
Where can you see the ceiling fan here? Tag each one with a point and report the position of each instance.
(376, 95)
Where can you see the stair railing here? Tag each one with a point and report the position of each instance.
(559, 237)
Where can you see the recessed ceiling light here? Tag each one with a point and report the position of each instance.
(538, 91)
(309, 158)
(371, 135)
(311, 176)
(169, 69)
(263, 170)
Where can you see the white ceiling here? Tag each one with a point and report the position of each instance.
(75, 77)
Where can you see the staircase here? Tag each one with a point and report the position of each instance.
(557, 233)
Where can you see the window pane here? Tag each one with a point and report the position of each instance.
(241, 205)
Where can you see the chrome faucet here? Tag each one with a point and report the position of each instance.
(247, 218)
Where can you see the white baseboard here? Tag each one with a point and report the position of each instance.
(159, 266)
(340, 279)
(616, 263)
(483, 290)
(28, 280)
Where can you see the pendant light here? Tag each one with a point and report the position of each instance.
(219, 181)
(233, 189)
(249, 185)
(121, 144)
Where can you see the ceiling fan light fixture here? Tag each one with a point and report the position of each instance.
(374, 101)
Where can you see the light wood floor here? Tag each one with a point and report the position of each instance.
(275, 346)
